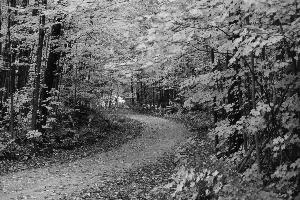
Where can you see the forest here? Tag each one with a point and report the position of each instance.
(228, 70)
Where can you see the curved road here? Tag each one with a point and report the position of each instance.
(159, 136)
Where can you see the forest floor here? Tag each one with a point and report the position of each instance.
(125, 172)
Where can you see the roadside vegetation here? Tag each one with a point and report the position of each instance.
(228, 69)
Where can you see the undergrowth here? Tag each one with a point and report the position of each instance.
(202, 174)
(86, 138)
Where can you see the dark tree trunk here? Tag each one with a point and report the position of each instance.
(35, 101)
(132, 92)
(7, 59)
(23, 73)
(253, 101)
(153, 96)
(52, 70)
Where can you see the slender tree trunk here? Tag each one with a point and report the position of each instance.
(75, 86)
(110, 94)
(2, 80)
(59, 81)
(245, 137)
(212, 53)
(145, 94)
(75, 82)
(10, 84)
(117, 99)
(1, 25)
(110, 98)
(153, 96)
(36, 93)
(131, 91)
(256, 134)
(141, 93)
(46, 54)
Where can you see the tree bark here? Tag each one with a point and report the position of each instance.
(75, 87)
(11, 78)
(132, 92)
(256, 134)
(215, 119)
(35, 101)
(153, 96)
(52, 69)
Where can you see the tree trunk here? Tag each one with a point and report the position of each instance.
(253, 91)
(23, 72)
(35, 100)
(132, 92)
(214, 112)
(141, 93)
(11, 78)
(75, 87)
(52, 69)
(153, 96)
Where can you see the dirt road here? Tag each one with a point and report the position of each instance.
(159, 136)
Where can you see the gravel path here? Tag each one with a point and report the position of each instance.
(160, 136)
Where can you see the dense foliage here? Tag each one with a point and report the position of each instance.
(240, 59)
(237, 60)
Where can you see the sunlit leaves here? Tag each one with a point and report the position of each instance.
(33, 134)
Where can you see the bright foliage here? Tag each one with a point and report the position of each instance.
(238, 59)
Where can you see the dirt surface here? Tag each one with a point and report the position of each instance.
(158, 138)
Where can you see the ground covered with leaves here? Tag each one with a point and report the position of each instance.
(127, 171)
(151, 181)
(133, 184)
(120, 131)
